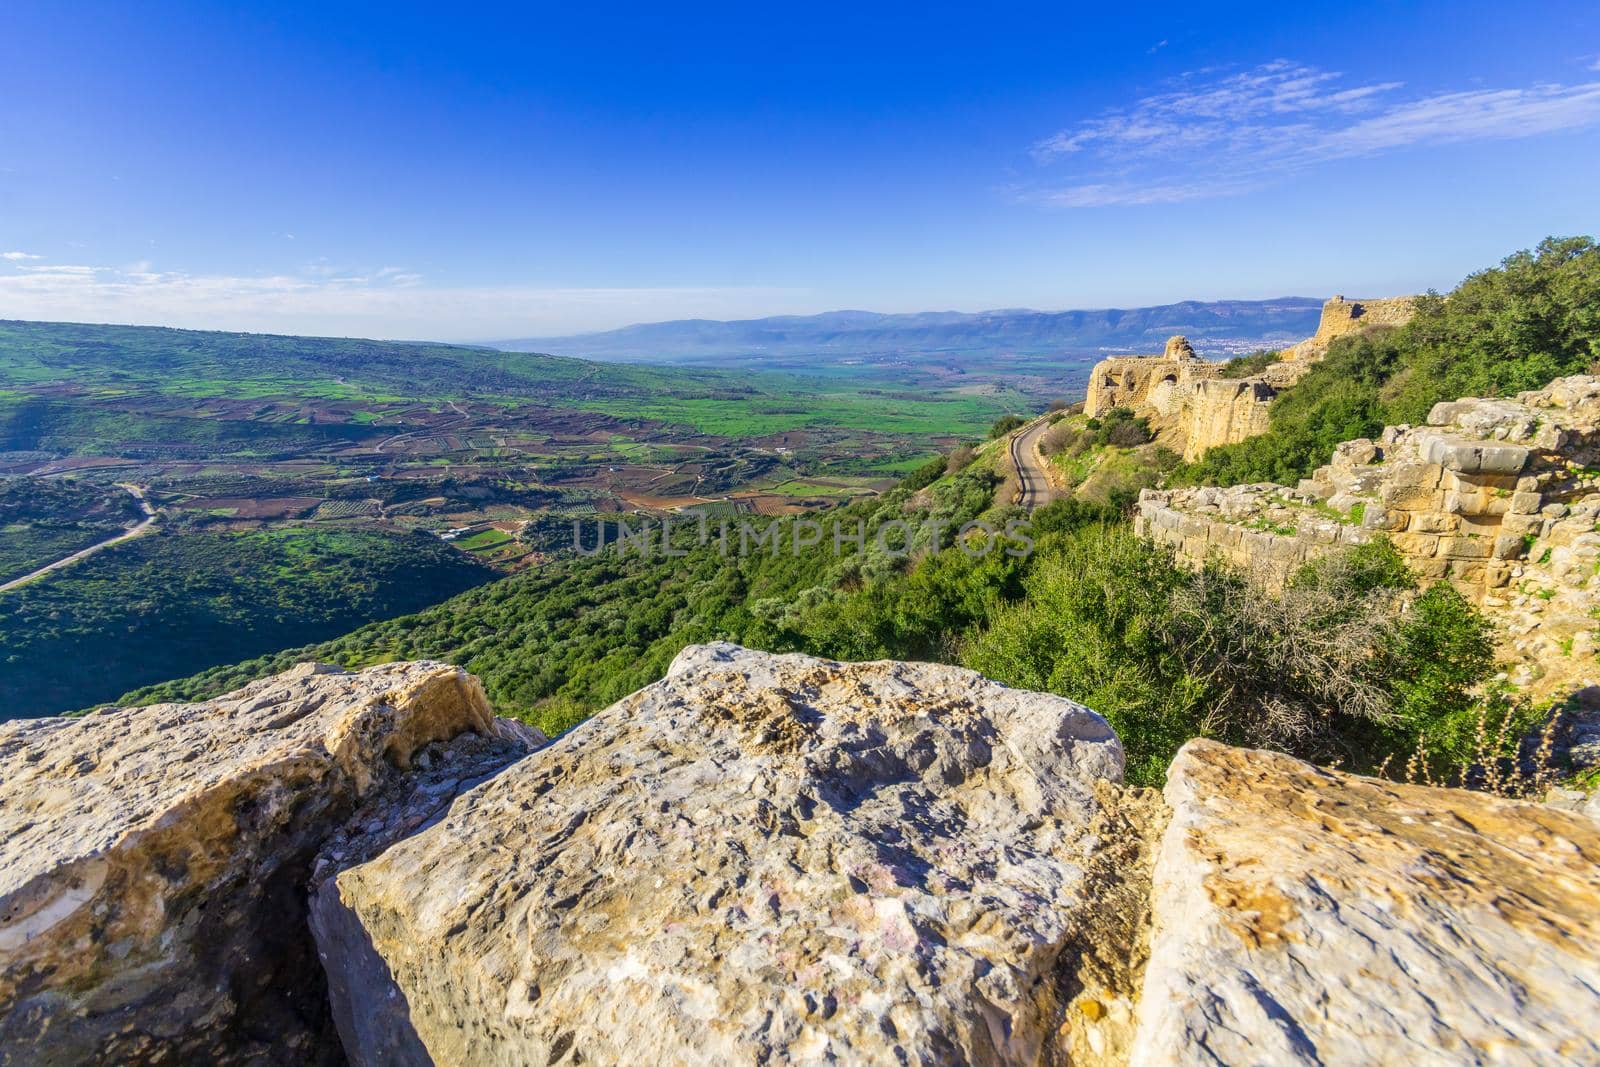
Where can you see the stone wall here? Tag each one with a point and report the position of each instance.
(1499, 497)
(1259, 528)
(1193, 410)
(1341, 317)
(1144, 381)
(1224, 410)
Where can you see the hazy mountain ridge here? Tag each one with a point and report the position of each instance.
(1015, 331)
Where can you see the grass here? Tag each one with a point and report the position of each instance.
(806, 489)
(483, 540)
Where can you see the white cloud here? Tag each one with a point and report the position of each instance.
(389, 303)
(1235, 132)
(1111, 194)
(18, 257)
(1488, 114)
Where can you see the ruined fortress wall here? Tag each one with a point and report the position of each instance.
(1341, 317)
(1197, 410)
(1499, 497)
(1222, 411)
(1140, 382)
(1270, 550)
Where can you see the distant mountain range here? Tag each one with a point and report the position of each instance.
(1220, 327)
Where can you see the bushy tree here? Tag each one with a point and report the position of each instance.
(1005, 424)
(1327, 668)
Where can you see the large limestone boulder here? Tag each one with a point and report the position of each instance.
(758, 859)
(1306, 916)
(153, 861)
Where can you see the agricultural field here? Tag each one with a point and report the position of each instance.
(233, 431)
(304, 486)
(46, 519)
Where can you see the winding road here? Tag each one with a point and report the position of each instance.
(128, 534)
(1033, 483)
(466, 417)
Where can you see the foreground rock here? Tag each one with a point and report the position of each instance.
(1306, 916)
(759, 858)
(153, 861)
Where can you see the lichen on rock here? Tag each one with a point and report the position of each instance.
(1307, 916)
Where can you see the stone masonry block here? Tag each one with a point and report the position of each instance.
(1507, 546)
(1497, 574)
(1432, 522)
(1414, 475)
(1415, 545)
(1521, 525)
(1483, 525)
(1374, 517)
(1472, 457)
(1429, 570)
(1412, 498)
(1465, 547)
(1523, 503)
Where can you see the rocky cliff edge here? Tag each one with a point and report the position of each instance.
(759, 859)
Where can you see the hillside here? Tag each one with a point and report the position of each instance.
(304, 486)
(1517, 326)
(1091, 612)
(965, 337)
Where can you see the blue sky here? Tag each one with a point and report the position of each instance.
(391, 171)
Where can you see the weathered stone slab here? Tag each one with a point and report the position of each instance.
(153, 862)
(1472, 457)
(759, 858)
(1304, 916)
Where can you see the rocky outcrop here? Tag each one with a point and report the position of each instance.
(1501, 497)
(1306, 916)
(760, 858)
(154, 861)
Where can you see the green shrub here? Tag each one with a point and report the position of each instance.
(924, 475)
(1005, 424)
(1326, 669)
(1245, 366)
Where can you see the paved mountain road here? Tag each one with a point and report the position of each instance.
(1033, 488)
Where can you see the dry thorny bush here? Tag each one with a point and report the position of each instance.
(1285, 658)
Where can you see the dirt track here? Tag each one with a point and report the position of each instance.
(129, 534)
